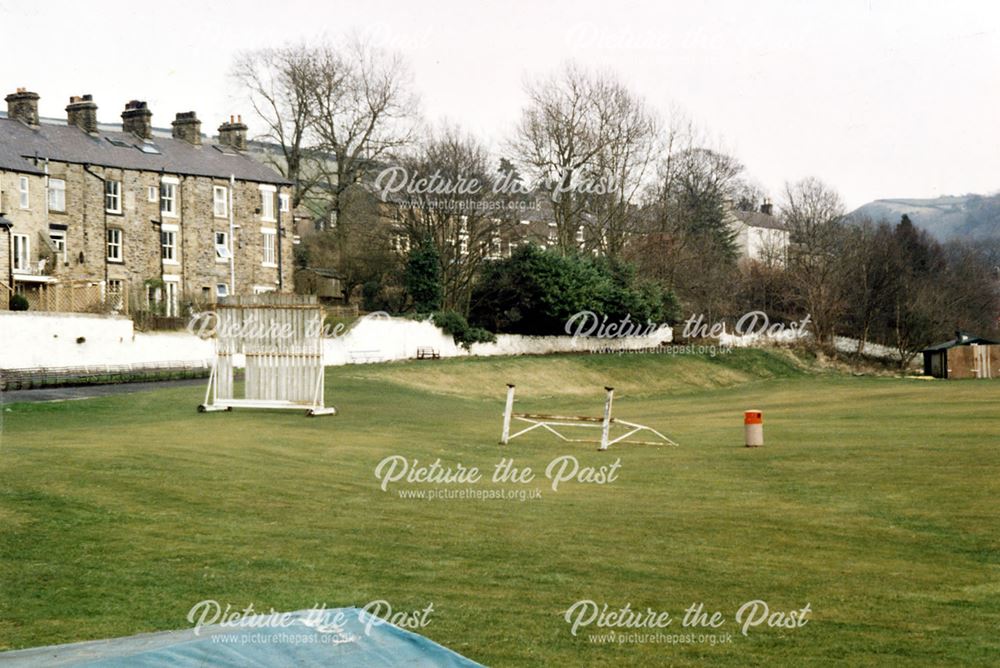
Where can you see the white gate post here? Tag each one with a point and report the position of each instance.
(506, 414)
(607, 417)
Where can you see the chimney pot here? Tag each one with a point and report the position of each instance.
(82, 112)
(23, 106)
(137, 119)
(186, 126)
(233, 134)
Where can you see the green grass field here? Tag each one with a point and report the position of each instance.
(875, 500)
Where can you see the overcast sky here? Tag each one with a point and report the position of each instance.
(880, 99)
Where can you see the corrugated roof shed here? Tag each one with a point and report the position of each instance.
(961, 339)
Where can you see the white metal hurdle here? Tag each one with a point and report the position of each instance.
(549, 422)
(281, 337)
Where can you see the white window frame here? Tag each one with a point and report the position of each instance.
(152, 194)
(171, 289)
(221, 290)
(115, 297)
(220, 201)
(223, 251)
(496, 246)
(112, 196)
(173, 231)
(269, 250)
(56, 189)
(24, 192)
(58, 240)
(284, 202)
(22, 253)
(169, 202)
(118, 245)
(153, 296)
(267, 202)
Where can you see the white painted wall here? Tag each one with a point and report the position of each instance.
(764, 243)
(49, 340)
(384, 339)
(514, 344)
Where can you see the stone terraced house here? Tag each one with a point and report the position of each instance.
(135, 220)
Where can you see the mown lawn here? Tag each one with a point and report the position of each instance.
(874, 501)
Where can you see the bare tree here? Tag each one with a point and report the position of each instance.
(335, 112)
(623, 167)
(579, 126)
(362, 109)
(869, 278)
(813, 211)
(360, 252)
(464, 226)
(338, 108)
(688, 243)
(279, 83)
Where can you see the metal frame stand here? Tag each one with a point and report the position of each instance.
(549, 422)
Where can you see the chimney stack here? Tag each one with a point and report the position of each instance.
(22, 105)
(234, 134)
(82, 112)
(138, 119)
(187, 127)
(767, 208)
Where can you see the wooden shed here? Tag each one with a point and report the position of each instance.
(965, 356)
(324, 283)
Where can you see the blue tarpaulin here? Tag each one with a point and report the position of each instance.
(304, 638)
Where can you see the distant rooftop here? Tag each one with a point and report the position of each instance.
(758, 219)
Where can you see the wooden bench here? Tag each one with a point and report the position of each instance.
(428, 354)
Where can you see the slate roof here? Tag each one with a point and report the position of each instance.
(21, 143)
(11, 160)
(758, 219)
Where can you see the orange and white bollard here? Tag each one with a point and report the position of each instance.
(753, 428)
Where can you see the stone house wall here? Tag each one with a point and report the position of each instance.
(30, 221)
(197, 270)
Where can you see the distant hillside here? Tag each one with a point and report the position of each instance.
(964, 216)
